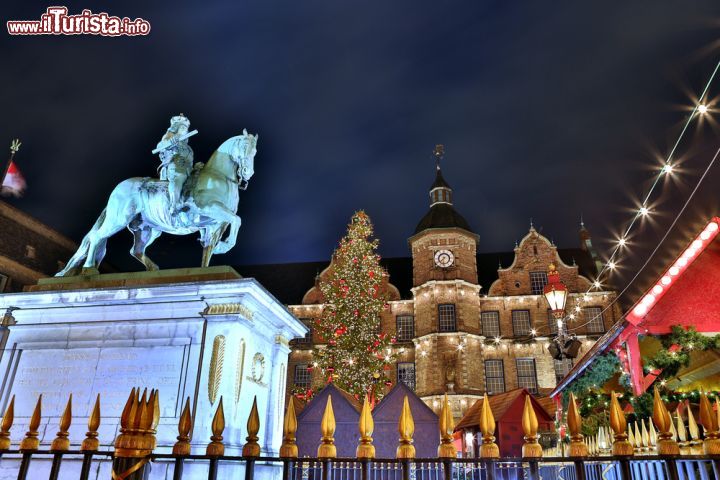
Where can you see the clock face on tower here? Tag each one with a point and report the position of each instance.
(444, 258)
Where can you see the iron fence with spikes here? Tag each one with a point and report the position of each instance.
(639, 453)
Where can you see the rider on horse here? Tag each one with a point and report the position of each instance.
(176, 159)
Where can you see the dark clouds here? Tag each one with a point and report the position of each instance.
(546, 109)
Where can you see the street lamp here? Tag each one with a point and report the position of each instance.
(563, 345)
(555, 293)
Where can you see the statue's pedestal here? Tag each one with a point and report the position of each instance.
(197, 333)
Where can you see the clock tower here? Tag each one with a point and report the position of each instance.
(443, 245)
(446, 295)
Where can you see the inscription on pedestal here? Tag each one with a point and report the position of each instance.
(85, 372)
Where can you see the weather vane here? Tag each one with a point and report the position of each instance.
(438, 152)
(15, 146)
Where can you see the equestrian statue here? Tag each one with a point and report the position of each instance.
(187, 198)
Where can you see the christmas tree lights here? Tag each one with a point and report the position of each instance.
(357, 354)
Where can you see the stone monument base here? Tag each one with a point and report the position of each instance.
(199, 333)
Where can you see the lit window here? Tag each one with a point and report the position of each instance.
(562, 368)
(405, 325)
(446, 318)
(538, 280)
(494, 377)
(593, 317)
(521, 322)
(406, 374)
(490, 324)
(302, 376)
(526, 374)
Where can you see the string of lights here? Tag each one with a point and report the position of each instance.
(662, 239)
(700, 108)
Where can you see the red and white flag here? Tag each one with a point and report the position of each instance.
(13, 183)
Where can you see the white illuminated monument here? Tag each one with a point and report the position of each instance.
(198, 333)
(201, 339)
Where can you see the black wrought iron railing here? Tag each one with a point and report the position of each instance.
(45, 464)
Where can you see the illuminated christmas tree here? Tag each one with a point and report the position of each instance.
(357, 354)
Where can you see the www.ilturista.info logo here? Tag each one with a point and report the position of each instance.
(56, 21)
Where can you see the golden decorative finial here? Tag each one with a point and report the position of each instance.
(15, 146)
(31, 441)
(446, 449)
(644, 436)
(6, 425)
(252, 448)
(621, 446)
(137, 425)
(289, 448)
(406, 428)
(708, 419)
(182, 446)
(327, 430)
(577, 446)
(663, 421)
(631, 437)
(489, 448)
(366, 425)
(652, 444)
(61, 442)
(91, 442)
(531, 448)
(216, 447)
(695, 442)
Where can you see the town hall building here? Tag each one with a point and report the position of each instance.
(466, 323)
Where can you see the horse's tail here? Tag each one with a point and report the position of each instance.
(74, 264)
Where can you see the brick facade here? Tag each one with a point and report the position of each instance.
(453, 361)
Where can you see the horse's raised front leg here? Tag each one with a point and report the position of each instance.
(209, 238)
(143, 237)
(222, 214)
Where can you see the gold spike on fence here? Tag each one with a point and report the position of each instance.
(91, 442)
(289, 448)
(182, 446)
(216, 447)
(251, 447)
(709, 421)
(695, 442)
(137, 425)
(406, 428)
(666, 445)
(577, 445)
(531, 448)
(61, 443)
(621, 446)
(489, 448)
(327, 430)
(446, 449)
(31, 441)
(6, 425)
(366, 426)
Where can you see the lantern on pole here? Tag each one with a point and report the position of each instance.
(563, 345)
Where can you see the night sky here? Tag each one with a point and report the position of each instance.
(548, 110)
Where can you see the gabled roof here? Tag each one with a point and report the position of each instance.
(389, 407)
(338, 394)
(500, 404)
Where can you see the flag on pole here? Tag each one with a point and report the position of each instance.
(13, 182)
